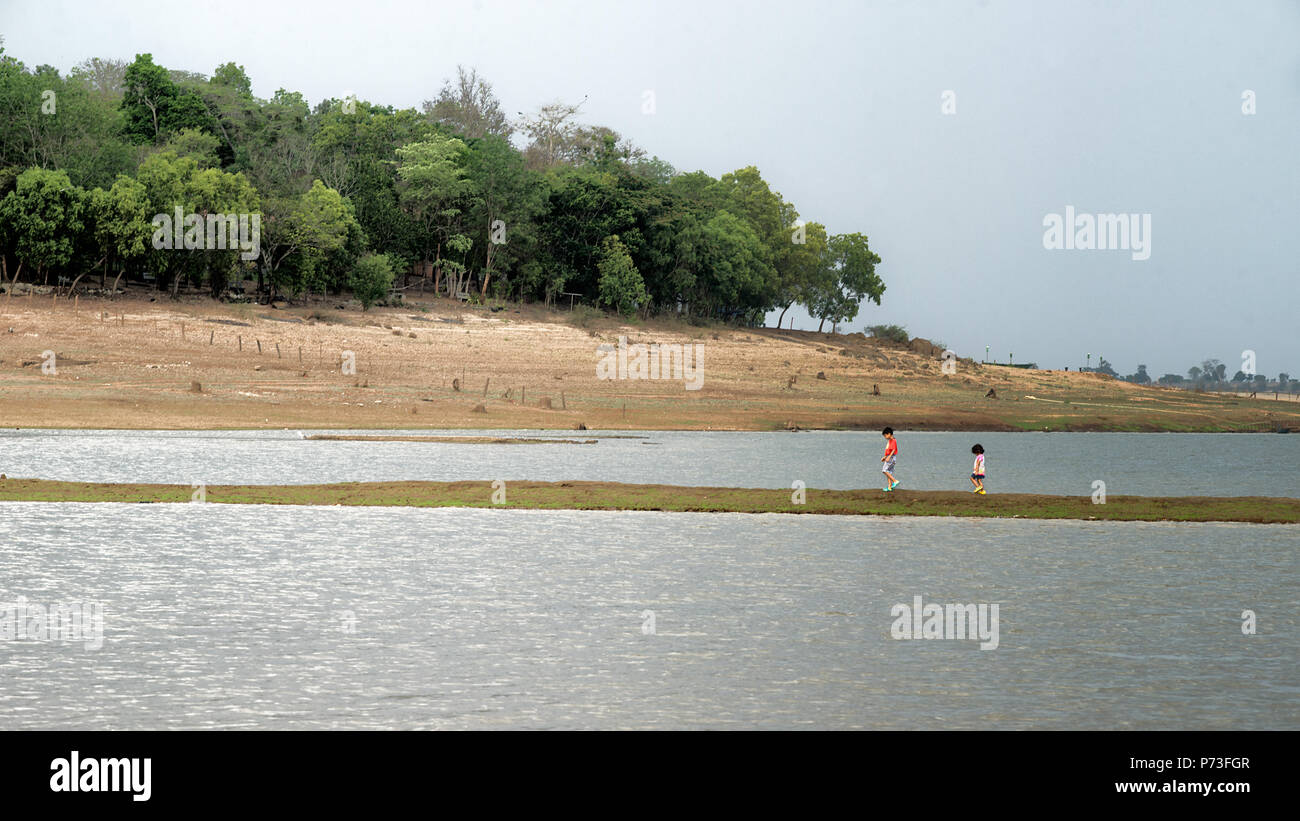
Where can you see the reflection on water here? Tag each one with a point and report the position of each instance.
(284, 617)
(1151, 464)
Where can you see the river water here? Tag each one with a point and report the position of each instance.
(272, 617)
(1159, 464)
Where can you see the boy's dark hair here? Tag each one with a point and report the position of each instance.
(977, 449)
(887, 432)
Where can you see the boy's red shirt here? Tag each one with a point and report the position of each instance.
(891, 448)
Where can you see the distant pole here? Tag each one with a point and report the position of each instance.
(986, 354)
(1089, 361)
(1011, 359)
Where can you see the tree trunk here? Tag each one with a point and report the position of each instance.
(437, 270)
(73, 286)
(781, 318)
(4, 265)
(487, 269)
(820, 324)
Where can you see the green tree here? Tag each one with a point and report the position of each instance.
(848, 277)
(371, 278)
(621, 287)
(41, 221)
(505, 200)
(195, 144)
(433, 189)
(173, 182)
(154, 106)
(121, 221)
(804, 266)
(352, 149)
(304, 230)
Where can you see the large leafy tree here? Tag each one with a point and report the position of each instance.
(154, 106)
(505, 200)
(181, 182)
(304, 231)
(354, 146)
(41, 221)
(848, 277)
(803, 267)
(55, 122)
(121, 224)
(434, 187)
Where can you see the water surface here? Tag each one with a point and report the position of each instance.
(238, 617)
(1152, 464)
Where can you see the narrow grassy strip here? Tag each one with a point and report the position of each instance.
(614, 496)
(455, 440)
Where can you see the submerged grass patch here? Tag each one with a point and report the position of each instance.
(615, 496)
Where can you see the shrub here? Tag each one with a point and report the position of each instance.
(894, 333)
(583, 315)
(370, 279)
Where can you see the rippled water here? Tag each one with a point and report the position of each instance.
(1161, 464)
(236, 617)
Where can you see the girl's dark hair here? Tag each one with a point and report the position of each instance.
(977, 449)
(886, 430)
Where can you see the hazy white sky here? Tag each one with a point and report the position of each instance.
(1108, 107)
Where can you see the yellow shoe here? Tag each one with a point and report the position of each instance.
(980, 491)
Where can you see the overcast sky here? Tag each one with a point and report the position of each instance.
(1125, 108)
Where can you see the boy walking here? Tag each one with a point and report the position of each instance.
(891, 456)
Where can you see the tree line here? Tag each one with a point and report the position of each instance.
(1211, 375)
(352, 194)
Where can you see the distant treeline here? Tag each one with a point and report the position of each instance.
(352, 193)
(1211, 375)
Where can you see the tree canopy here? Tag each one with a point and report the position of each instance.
(349, 189)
